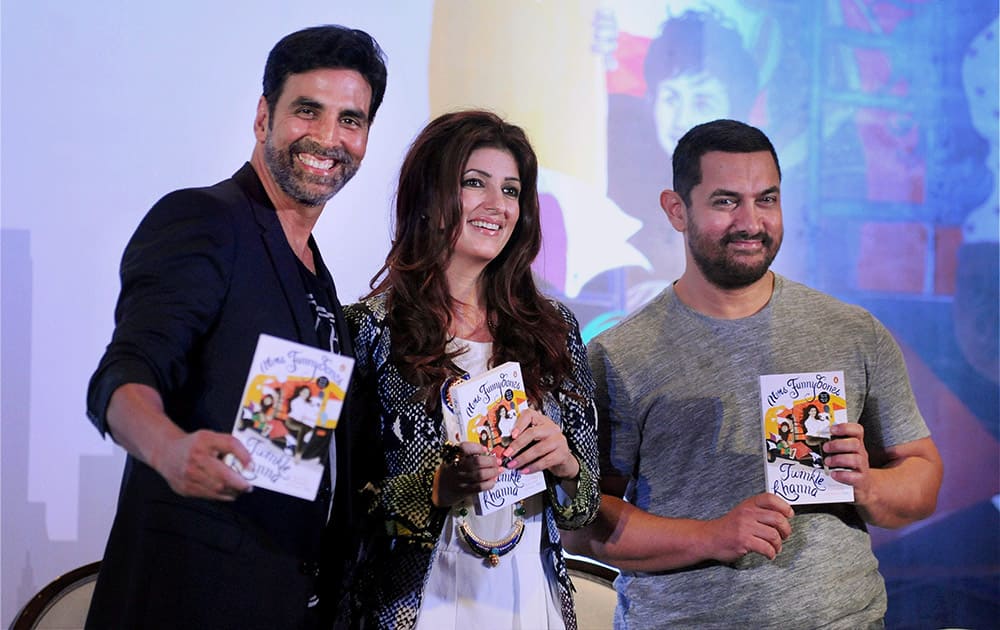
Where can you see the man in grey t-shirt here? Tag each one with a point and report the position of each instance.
(698, 541)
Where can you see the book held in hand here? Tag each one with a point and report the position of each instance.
(290, 407)
(798, 411)
(486, 407)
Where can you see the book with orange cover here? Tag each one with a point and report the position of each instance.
(289, 409)
(798, 411)
(486, 407)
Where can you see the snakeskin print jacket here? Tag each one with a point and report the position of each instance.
(399, 560)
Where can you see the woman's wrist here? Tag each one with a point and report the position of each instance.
(451, 455)
(436, 488)
(571, 473)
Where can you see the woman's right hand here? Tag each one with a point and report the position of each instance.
(472, 470)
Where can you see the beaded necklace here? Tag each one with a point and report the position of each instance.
(491, 550)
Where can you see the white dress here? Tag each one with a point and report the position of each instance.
(462, 591)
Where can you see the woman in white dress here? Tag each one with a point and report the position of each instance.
(455, 298)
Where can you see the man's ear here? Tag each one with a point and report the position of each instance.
(261, 120)
(675, 209)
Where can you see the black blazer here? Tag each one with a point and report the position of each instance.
(205, 273)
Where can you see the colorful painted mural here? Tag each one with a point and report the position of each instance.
(884, 115)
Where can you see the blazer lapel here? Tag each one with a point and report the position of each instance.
(287, 268)
(282, 258)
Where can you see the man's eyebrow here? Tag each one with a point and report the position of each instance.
(307, 102)
(354, 113)
(722, 192)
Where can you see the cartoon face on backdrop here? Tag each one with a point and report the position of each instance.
(682, 102)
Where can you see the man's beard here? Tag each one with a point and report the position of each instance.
(306, 188)
(725, 269)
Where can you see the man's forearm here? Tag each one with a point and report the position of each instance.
(191, 463)
(629, 538)
(906, 489)
(137, 421)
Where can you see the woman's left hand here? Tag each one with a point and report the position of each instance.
(539, 444)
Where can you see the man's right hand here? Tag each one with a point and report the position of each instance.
(191, 463)
(632, 539)
(757, 524)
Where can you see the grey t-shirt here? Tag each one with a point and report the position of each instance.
(679, 409)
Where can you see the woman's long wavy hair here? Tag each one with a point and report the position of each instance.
(526, 327)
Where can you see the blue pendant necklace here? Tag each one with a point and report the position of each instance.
(491, 550)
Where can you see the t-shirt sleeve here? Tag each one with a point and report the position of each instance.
(890, 414)
(617, 425)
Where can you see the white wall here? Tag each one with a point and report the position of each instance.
(108, 105)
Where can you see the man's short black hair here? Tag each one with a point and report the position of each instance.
(320, 47)
(729, 136)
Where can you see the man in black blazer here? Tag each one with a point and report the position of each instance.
(205, 273)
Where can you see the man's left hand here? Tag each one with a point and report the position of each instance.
(847, 452)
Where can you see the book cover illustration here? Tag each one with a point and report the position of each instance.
(290, 406)
(486, 407)
(798, 411)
